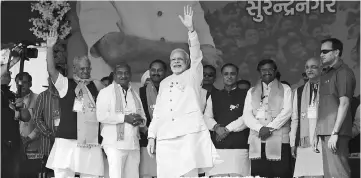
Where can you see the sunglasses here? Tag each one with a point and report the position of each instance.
(325, 51)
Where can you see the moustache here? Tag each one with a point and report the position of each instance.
(155, 75)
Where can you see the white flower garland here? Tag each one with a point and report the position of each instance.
(52, 13)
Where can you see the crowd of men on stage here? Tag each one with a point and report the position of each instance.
(253, 130)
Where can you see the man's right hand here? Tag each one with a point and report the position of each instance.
(151, 147)
(52, 38)
(221, 132)
(133, 119)
(315, 143)
(294, 152)
(264, 133)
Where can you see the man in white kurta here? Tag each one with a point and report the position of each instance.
(123, 154)
(303, 124)
(76, 148)
(183, 141)
(269, 123)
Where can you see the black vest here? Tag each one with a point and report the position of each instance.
(143, 97)
(68, 118)
(299, 98)
(221, 102)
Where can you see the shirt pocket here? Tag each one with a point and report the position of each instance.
(326, 87)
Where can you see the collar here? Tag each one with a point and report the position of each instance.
(129, 85)
(337, 65)
(266, 86)
(232, 90)
(52, 90)
(28, 95)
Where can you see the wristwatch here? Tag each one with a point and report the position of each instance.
(334, 133)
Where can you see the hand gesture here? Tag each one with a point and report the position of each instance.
(51, 38)
(19, 103)
(221, 133)
(151, 147)
(332, 143)
(187, 20)
(133, 119)
(315, 143)
(294, 152)
(264, 133)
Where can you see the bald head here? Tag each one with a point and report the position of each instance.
(315, 59)
(313, 68)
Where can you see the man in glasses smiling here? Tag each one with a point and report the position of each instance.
(334, 124)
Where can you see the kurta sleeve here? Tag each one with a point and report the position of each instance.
(153, 126)
(208, 115)
(248, 117)
(294, 120)
(61, 85)
(286, 111)
(103, 109)
(196, 56)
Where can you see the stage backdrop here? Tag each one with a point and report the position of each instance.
(287, 32)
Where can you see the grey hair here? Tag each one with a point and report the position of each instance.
(78, 59)
(121, 65)
(180, 50)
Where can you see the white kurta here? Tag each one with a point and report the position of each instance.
(183, 140)
(66, 155)
(308, 162)
(123, 156)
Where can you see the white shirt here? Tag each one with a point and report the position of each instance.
(294, 119)
(285, 114)
(203, 99)
(61, 84)
(234, 126)
(109, 118)
(178, 110)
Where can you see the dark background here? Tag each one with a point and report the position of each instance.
(15, 23)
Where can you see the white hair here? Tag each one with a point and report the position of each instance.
(78, 59)
(180, 50)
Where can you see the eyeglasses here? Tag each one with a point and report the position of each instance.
(325, 51)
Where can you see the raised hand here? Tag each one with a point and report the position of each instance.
(52, 38)
(187, 20)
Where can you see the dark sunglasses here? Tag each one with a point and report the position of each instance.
(325, 51)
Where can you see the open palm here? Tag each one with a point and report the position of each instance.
(187, 20)
(52, 38)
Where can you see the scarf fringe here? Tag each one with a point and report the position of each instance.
(87, 145)
(268, 159)
(258, 158)
(305, 142)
